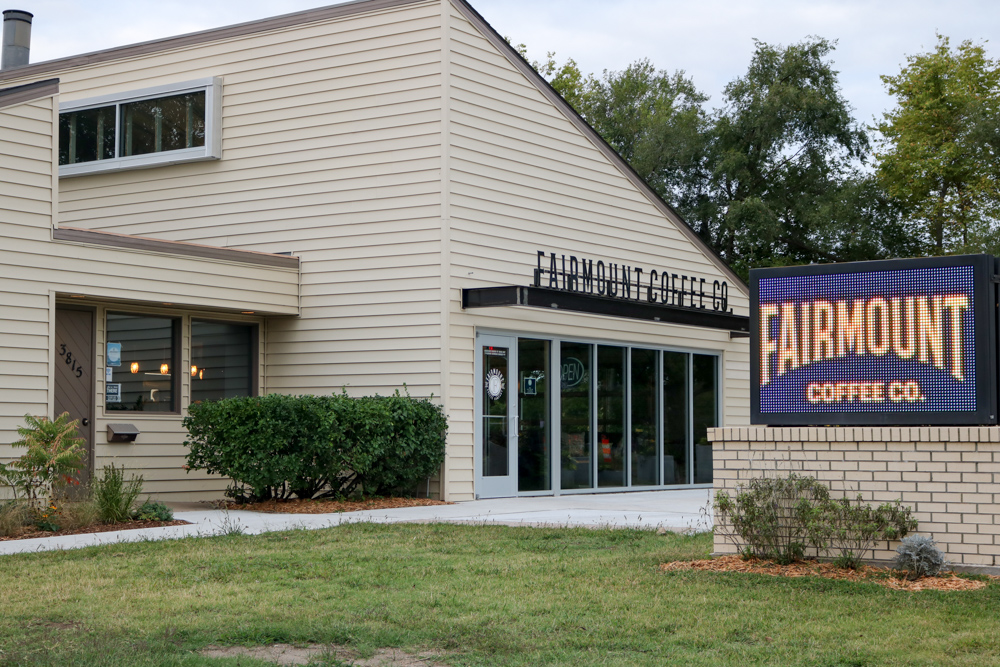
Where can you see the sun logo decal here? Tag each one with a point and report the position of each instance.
(494, 384)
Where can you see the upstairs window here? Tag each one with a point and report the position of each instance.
(145, 128)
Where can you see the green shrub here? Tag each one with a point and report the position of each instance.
(849, 528)
(270, 446)
(769, 517)
(115, 496)
(153, 511)
(779, 517)
(54, 456)
(277, 446)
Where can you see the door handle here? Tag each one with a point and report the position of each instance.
(85, 421)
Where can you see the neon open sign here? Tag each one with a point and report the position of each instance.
(894, 342)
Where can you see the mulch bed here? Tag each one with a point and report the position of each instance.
(32, 533)
(330, 506)
(876, 575)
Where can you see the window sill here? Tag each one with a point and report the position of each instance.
(199, 154)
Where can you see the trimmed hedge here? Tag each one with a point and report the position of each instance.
(276, 446)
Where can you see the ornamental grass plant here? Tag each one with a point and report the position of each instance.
(115, 496)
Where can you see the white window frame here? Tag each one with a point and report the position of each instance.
(212, 150)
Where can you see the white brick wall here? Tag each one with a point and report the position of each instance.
(950, 477)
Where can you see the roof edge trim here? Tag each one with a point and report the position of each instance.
(210, 35)
(525, 67)
(28, 92)
(127, 241)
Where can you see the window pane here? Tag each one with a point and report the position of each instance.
(163, 124)
(86, 136)
(145, 375)
(534, 466)
(221, 358)
(576, 412)
(705, 414)
(675, 417)
(643, 417)
(610, 416)
(496, 459)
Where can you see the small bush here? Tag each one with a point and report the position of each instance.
(779, 517)
(769, 517)
(153, 511)
(14, 516)
(850, 527)
(918, 556)
(115, 496)
(277, 446)
(53, 458)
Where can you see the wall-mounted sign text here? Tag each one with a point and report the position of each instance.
(634, 283)
(904, 341)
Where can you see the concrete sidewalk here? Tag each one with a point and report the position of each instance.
(670, 510)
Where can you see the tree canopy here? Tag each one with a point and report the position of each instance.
(781, 173)
(939, 154)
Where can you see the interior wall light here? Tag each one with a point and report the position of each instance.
(134, 367)
(194, 371)
(164, 369)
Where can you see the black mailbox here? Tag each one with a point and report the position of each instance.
(122, 433)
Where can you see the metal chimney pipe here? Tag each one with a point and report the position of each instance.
(16, 38)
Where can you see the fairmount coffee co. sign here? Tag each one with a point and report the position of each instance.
(630, 283)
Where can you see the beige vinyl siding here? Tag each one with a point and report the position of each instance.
(523, 178)
(331, 146)
(35, 269)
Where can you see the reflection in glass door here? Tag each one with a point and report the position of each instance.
(575, 415)
(644, 418)
(610, 416)
(496, 407)
(534, 468)
(675, 417)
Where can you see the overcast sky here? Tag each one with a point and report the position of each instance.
(712, 40)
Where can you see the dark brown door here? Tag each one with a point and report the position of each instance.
(74, 381)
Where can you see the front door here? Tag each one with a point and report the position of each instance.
(496, 460)
(74, 375)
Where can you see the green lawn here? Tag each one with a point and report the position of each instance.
(482, 595)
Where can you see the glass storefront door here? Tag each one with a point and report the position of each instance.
(562, 415)
(496, 459)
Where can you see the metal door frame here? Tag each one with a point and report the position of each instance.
(493, 487)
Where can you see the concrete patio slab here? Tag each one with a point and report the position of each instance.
(681, 510)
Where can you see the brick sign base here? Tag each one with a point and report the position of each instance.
(949, 476)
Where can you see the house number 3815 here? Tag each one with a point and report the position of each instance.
(70, 360)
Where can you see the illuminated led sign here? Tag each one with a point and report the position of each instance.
(893, 342)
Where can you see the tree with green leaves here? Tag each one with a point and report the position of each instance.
(785, 184)
(940, 153)
(773, 177)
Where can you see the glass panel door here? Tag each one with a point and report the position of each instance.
(675, 417)
(610, 416)
(534, 467)
(576, 411)
(497, 409)
(644, 418)
(705, 380)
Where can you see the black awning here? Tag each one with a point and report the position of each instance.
(544, 297)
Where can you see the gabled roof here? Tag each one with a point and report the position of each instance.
(361, 6)
(28, 92)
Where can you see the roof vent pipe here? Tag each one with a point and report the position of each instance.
(16, 38)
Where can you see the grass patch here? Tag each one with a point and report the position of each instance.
(483, 595)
